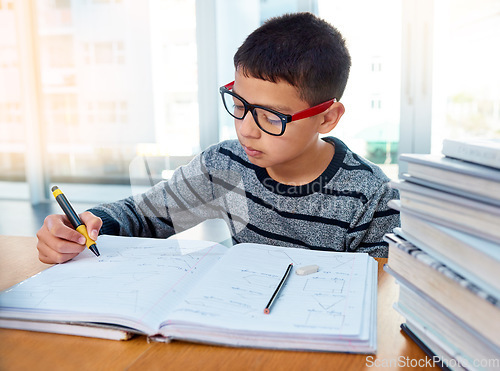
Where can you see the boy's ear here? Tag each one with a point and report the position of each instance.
(331, 118)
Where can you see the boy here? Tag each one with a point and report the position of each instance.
(279, 183)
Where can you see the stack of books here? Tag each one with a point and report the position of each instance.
(446, 255)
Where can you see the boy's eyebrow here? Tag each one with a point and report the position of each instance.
(282, 109)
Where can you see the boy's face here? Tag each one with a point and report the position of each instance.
(300, 141)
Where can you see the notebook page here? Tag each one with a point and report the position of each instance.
(234, 294)
(134, 278)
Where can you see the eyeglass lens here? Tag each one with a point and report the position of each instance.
(266, 120)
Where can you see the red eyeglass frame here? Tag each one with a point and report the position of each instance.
(308, 112)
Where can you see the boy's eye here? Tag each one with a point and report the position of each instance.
(238, 107)
(272, 119)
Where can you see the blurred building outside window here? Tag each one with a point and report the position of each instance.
(120, 91)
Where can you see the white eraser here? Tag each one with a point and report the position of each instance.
(308, 269)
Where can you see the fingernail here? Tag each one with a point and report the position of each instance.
(81, 240)
(94, 234)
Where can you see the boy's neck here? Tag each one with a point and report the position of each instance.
(307, 168)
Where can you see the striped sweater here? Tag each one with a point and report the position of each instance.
(344, 209)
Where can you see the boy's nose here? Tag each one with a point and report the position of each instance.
(247, 127)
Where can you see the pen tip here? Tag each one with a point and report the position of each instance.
(54, 188)
(93, 248)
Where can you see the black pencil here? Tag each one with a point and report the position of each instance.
(267, 309)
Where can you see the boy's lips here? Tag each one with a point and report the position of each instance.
(251, 151)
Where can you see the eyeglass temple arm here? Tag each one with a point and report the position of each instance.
(313, 111)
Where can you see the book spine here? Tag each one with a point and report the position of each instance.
(466, 258)
(428, 351)
(472, 152)
(426, 259)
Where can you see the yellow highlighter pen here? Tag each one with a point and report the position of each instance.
(74, 218)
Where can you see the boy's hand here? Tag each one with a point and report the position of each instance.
(58, 241)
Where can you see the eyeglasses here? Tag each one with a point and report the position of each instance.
(268, 120)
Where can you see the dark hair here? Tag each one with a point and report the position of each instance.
(301, 49)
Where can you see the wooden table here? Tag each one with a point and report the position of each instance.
(23, 350)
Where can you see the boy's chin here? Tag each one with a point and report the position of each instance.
(254, 161)
(257, 161)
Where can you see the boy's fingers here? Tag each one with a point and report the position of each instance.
(55, 250)
(93, 224)
(58, 226)
(50, 256)
(58, 241)
(48, 242)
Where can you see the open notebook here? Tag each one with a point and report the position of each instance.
(203, 292)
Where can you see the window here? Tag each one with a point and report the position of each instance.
(106, 52)
(370, 125)
(61, 111)
(8, 56)
(107, 112)
(105, 1)
(53, 14)
(121, 79)
(376, 64)
(10, 112)
(103, 87)
(59, 4)
(6, 4)
(12, 128)
(466, 89)
(57, 51)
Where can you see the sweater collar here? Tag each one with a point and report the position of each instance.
(316, 185)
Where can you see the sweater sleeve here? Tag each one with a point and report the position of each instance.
(171, 206)
(374, 220)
